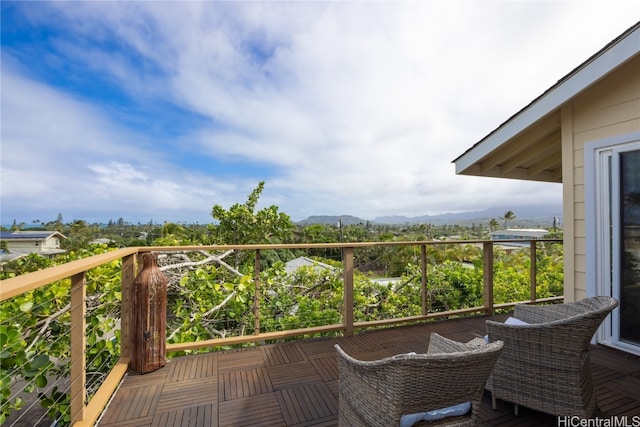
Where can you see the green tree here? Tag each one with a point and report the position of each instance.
(170, 228)
(78, 234)
(58, 223)
(493, 224)
(241, 224)
(508, 216)
(319, 233)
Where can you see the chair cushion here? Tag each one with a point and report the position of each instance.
(510, 321)
(514, 321)
(436, 414)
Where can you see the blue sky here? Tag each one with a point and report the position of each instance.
(160, 110)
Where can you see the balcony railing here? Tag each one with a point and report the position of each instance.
(85, 409)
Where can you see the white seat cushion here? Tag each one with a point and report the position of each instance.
(437, 414)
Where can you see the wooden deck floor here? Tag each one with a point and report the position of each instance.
(295, 383)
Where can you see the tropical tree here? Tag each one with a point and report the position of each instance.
(241, 224)
(508, 216)
(493, 224)
(78, 234)
(170, 228)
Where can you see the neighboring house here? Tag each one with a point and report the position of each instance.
(101, 241)
(291, 266)
(518, 234)
(20, 243)
(584, 132)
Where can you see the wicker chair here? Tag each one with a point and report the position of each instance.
(545, 365)
(379, 393)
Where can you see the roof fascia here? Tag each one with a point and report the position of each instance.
(38, 236)
(577, 81)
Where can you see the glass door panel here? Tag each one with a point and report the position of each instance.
(629, 291)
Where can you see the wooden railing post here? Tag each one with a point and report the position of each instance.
(423, 279)
(128, 275)
(533, 269)
(347, 265)
(78, 346)
(487, 262)
(256, 296)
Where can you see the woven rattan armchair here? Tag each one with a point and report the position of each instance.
(379, 393)
(545, 365)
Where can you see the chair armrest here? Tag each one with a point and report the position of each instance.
(552, 340)
(376, 372)
(542, 313)
(595, 306)
(365, 389)
(558, 329)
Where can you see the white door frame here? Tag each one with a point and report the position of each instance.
(602, 228)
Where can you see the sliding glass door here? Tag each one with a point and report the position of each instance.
(614, 258)
(628, 198)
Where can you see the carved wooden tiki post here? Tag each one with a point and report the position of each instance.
(149, 317)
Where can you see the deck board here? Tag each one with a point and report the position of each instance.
(295, 383)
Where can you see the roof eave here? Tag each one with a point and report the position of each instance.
(595, 68)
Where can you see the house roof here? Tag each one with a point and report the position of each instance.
(522, 232)
(528, 145)
(291, 266)
(29, 235)
(101, 241)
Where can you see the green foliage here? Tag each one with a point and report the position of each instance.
(512, 270)
(32, 262)
(241, 224)
(211, 303)
(309, 297)
(454, 285)
(35, 335)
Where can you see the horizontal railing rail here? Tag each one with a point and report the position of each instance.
(85, 412)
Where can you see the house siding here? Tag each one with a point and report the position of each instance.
(568, 209)
(51, 243)
(610, 107)
(25, 246)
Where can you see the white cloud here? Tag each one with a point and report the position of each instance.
(60, 154)
(359, 106)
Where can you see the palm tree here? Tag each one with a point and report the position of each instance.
(508, 216)
(493, 224)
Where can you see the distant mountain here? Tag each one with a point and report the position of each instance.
(540, 214)
(526, 216)
(332, 219)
